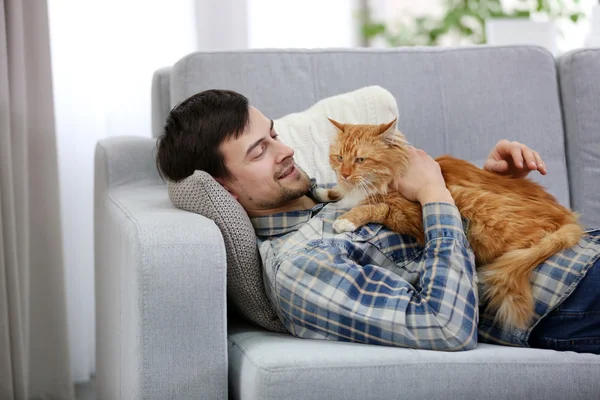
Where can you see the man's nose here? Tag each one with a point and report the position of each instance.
(285, 152)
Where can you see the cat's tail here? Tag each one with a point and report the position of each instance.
(505, 285)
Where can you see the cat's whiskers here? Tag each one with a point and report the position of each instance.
(368, 187)
(369, 184)
(361, 186)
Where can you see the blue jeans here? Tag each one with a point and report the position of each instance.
(575, 324)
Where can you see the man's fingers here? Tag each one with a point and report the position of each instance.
(503, 147)
(514, 154)
(517, 156)
(540, 163)
(529, 157)
(496, 166)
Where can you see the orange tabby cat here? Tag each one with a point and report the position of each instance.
(514, 224)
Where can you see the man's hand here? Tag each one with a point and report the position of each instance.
(422, 181)
(514, 159)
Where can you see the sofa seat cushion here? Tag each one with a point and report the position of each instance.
(266, 365)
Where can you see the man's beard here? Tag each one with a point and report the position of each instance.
(289, 194)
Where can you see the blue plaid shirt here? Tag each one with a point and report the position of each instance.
(379, 287)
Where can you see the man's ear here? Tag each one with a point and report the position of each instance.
(222, 183)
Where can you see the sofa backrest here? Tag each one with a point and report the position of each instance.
(579, 73)
(459, 101)
(161, 99)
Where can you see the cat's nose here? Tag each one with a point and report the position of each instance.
(345, 175)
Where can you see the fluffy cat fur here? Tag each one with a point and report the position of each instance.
(514, 224)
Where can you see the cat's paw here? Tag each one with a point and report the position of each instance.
(343, 225)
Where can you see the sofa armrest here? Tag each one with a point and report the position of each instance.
(160, 276)
(127, 160)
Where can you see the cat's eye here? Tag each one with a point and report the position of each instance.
(359, 160)
(339, 158)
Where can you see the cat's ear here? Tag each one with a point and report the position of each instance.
(336, 124)
(390, 133)
(388, 129)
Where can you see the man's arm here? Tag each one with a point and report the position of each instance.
(324, 291)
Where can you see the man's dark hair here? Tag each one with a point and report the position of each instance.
(195, 130)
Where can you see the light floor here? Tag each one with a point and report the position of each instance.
(86, 391)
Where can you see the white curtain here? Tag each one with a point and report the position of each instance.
(34, 361)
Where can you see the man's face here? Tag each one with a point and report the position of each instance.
(264, 174)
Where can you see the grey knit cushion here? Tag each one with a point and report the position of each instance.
(201, 194)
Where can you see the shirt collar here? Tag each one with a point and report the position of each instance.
(285, 222)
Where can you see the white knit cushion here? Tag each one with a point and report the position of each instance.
(309, 132)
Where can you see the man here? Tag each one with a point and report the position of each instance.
(373, 285)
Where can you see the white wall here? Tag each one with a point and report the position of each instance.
(103, 55)
(221, 24)
(301, 24)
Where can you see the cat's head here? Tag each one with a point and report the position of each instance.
(367, 156)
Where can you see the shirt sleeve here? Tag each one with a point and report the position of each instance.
(323, 292)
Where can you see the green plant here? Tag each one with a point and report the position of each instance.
(462, 19)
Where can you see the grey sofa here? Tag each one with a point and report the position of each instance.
(164, 330)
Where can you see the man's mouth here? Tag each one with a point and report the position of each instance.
(290, 171)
